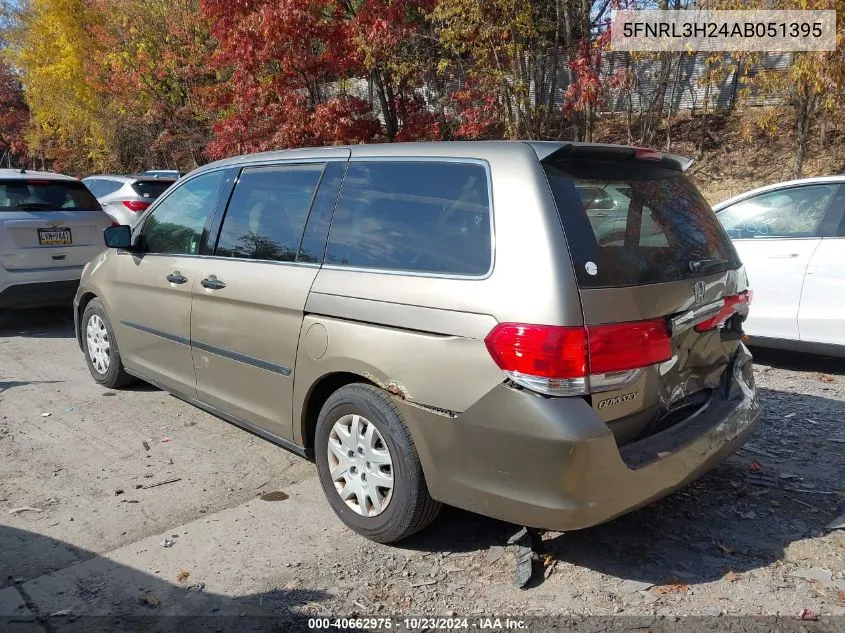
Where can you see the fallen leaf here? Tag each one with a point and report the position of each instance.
(673, 588)
(182, 576)
(754, 467)
(548, 559)
(724, 548)
(806, 614)
(842, 596)
(732, 576)
(149, 599)
(826, 378)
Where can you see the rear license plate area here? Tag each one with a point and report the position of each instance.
(54, 237)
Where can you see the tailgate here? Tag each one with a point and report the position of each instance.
(50, 239)
(48, 223)
(649, 254)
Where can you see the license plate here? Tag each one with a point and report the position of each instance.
(54, 237)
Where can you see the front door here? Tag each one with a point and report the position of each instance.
(249, 298)
(150, 302)
(821, 316)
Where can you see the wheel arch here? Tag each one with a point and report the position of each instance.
(316, 397)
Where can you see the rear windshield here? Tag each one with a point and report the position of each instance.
(634, 223)
(151, 189)
(46, 195)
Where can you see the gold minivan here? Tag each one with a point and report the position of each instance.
(546, 333)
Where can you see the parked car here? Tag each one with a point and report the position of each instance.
(456, 333)
(125, 198)
(50, 227)
(791, 238)
(163, 173)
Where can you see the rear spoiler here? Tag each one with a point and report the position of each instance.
(550, 152)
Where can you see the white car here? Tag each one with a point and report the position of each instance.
(50, 227)
(791, 238)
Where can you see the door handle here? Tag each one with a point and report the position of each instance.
(176, 278)
(213, 284)
(787, 256)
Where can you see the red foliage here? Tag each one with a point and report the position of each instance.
(477, 106)
(293, 68)
(14, 114)
(586, 91)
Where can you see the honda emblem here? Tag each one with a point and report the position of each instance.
(699, 291)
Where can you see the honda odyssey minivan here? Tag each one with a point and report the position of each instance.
(442, 323)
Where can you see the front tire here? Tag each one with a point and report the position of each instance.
(368, 466)
(101, 353)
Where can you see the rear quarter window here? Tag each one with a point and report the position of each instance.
(415, 216)
(46, 195)
(636, 224)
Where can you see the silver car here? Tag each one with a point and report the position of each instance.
(125, 198)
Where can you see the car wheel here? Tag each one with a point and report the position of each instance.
(100, 346)
(368, 466)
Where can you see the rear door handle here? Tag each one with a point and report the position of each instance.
(785, 256)
(176, 278)
(213, 284)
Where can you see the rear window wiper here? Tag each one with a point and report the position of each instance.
(696, 265)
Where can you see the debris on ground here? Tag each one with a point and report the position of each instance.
(165, 440)
(276, 495)
(60, 613)
(168, 542)
(635, 586)
(145, 444)
(748, 515)
(46, 415)
(671, 588)
(24, 509)
(198, 587)
(807, 614)
(827, 378)
(732, 576)
(149, 599)
(817, 574)
(525, 541)
(118, 492)
(839, 522)
(182, 576)
(755, 467)
(495, 553)
(161, 483)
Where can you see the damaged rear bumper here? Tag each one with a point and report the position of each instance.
(552, 463)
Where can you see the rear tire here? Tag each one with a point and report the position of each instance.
(381, 515)
(100, 346)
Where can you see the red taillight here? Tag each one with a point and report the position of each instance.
(622, 346)
(548, 351)
(647, 154)
(136, 205)
(557, 360)
(731, 305)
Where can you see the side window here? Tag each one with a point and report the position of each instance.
(313, 245)
(413, 216)
(95, 186)
(177, 223)
(267, 212)
(108, 187)
(795, 212)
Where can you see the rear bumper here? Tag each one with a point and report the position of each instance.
(552, 463)
(39, 294)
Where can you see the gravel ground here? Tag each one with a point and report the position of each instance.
(747, 539)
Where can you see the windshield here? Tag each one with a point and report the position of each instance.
(46, 195)
(635, 224)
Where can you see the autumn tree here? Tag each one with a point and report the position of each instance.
(14, 118)
(51, 46)
(153, 70)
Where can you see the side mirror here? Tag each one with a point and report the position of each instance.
(118, 236)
